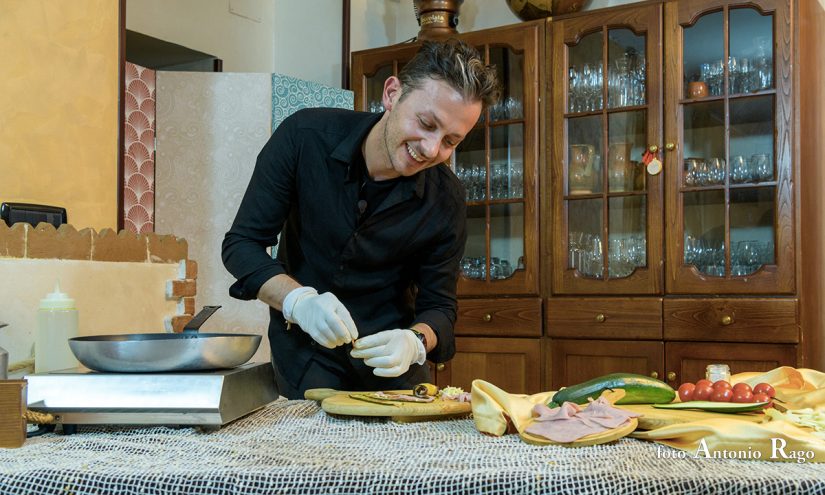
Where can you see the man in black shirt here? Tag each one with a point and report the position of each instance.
(372, 224)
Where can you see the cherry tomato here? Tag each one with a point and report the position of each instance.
(762, 397)
(742, 396)
(741, 387)
(686, 392)
(764, 388)
(702, 392)
(704, 382)
(721, 384)
(721, 395)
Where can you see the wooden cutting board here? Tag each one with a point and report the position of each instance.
(340, 402)
(653, 418)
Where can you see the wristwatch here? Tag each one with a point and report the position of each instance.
(420, 336)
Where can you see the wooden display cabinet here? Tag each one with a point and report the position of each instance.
(584, 256)
(696, 261)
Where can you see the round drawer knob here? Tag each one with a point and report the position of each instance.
(654, 374)
(488, 317)
(440, 366)
(671, 376)
(600, 318)
(727, 320)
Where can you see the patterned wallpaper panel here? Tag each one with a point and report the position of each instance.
(210, 129)
(290, 95)
(139, 149)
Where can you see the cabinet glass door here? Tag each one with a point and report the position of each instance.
(729, 189)
(371, 69)
(497, 163)
(606, 200)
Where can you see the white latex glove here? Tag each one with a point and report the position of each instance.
(322, 316)
(390, 352)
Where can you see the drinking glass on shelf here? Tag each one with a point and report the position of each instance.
(513, 108)
(716, 170)
(739, 169)
(696, 172)
(761, 167)
(517, 181)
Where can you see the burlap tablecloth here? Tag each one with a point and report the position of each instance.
(294, 447)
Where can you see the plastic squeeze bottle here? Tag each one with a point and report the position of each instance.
(57, 321)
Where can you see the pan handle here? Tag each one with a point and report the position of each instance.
(199, 319)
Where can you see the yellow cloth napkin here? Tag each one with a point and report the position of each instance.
(493, 406)
(494, 410)
(772, 441)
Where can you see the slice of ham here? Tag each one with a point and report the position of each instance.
(570, 422)
(566, 411)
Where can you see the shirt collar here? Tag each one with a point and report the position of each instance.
(349, 149)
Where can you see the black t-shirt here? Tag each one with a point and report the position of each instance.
(373, 193)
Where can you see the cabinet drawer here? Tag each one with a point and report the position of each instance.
(612, 318)
(499, 317)
(575, 361)
(513, 365)
(732, 320)
(687, 361)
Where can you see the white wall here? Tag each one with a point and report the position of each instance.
(240, 32)
(299, 38)
(308, 40)
(376, 23)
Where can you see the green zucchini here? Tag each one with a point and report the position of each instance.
(722, 407)
(639, 389)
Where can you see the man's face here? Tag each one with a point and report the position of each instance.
(424, 127)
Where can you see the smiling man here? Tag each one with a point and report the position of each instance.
(372, 224)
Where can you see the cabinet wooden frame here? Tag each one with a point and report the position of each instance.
(776, 278)
(644, 19)
(525, 38)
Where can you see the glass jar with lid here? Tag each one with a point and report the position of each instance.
(716, 372)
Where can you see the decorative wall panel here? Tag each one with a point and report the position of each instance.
(139, 149)
(210, 128)
(290, 95)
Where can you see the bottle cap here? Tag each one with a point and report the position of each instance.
(57, 299)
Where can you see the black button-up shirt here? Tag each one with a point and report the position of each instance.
(394, 268)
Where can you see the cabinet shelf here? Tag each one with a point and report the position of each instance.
(722, 187)
(610, 110)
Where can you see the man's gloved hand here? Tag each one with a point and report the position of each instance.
(390, 352)
(322, 316)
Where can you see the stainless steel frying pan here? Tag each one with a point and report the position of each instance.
(156, 352)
